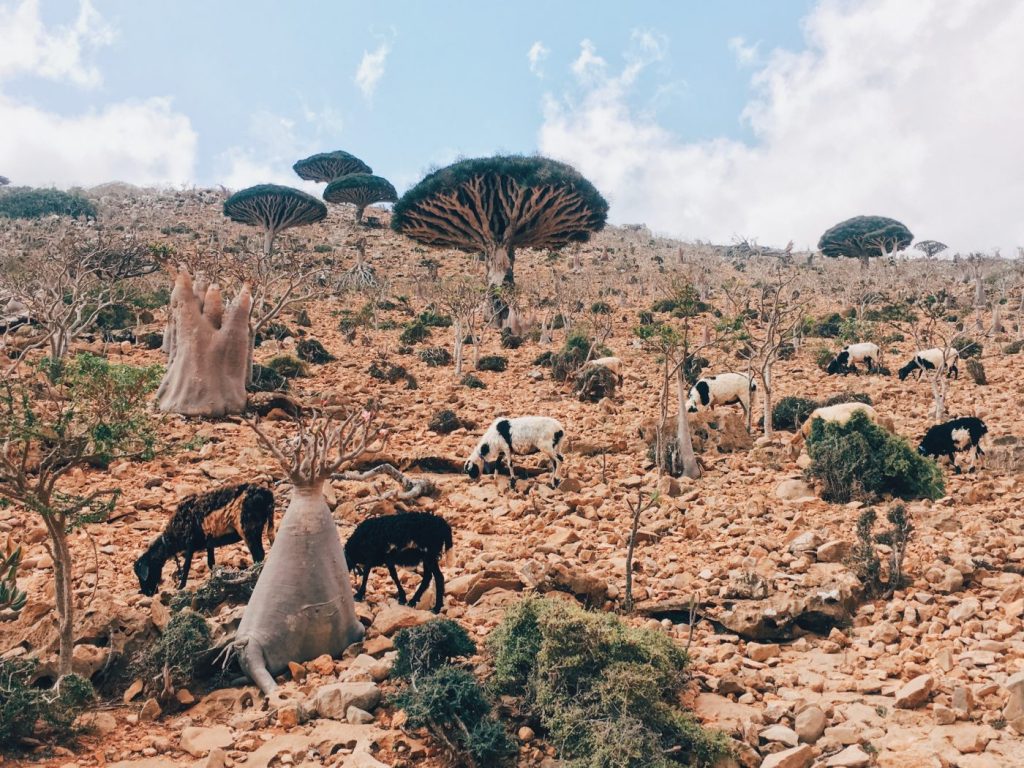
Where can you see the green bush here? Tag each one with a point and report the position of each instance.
(287, 366)
(391, 373)
(694, 367)
(492, 363)
(976, 371)
(473, 382)
(276, 331)
(432, 319)
(823, 356)
(848, 397)
(181, 648)
(312, 351)
(510, 340)
(601, 308)
(569, 360)
(861, 459)
(266, 379)
(414, 333)
(447, 700)
(864, 558)
(791, 412)
(1014, 347)
(23, 705)
(968, 347)
(29, 203)
(435, 356)
(892, 313)
(444, 422)
(425, 648)
(607, 693)
(825, 327)
(114, 317)
(544, 359)
(302, 319)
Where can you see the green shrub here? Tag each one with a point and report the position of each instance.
(181, 648)
(414, 333)
(861, 459)
(29, 203)
(569, 360)
(601, 308)
(312, 351)
(492, 363)
(287, 366)
(594, 383)
(823, 356)
(432, 319)
(266, 379)
(1014, 347)
(891, 313)
(646, 318)
(114, 317)
(976, 371)
(425, 648)
(864, 558)
(848, 397)
(302, 319)
(694, 367)
(391, 373)
(435, 356)
(825, 328)
(444, 422)
(276, 331)
(968, 347)
(510, 340)
(606, 693)
(473, 382)
(23, 705)
(791, 412)
(544, 359)
(11, 598)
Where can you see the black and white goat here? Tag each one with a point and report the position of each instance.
(404, 538)
(206, 521)
(849, 356)
(963, 434)
(522, 435)
(723, 389)
(929, 360)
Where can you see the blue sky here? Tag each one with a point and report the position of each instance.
(768, 120)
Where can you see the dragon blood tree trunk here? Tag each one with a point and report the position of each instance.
(208, 352)
(500, 263)
(302, 604)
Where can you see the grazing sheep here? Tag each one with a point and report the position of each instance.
(846, 361)
(405, 538)
(206, 521)
(929, 360)
(963, 434)
(613, 364)
(723, 389)
(839, 414)
(522, 435)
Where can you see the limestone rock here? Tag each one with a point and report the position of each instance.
(915, 693)
(810, 724)
(851, 757)
(792, 490)
(1013, 712)
(197, 741)
(333, 700)
(762, 651)
(781, 734)
(795, 757)
(396, 617)
(359, 716)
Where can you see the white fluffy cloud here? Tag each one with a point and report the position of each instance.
(143, 141)
(371, 69)
(536, 55)
(910, 110)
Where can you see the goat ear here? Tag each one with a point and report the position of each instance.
(484, 449)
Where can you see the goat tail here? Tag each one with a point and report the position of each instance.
(270, 526)
(446, 552)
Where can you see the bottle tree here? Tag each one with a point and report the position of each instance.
(360, 190)
(273, 209)
(494, 205)
(328, 166)
(865, 237)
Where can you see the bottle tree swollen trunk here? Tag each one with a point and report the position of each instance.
(209, 352)
(302, 605)
(691, 468)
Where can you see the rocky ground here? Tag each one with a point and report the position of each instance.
(787, 659)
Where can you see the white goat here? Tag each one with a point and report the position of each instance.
(522, 435)
(723, 389)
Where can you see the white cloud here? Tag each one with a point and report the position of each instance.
(745, 54)
(910, 110)
(536, 55)
(140, 141)
(371, 69)
(30, 49)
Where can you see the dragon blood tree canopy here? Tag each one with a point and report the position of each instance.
(494, 205)
(274, 209)
(864, 237)
(328, 166)
(361, 190)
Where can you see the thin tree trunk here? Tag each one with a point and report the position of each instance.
(359, 214)
(691, 468)
(63, 594)
(628, 602)
(459, 341)
(766, 399)
(500, 263)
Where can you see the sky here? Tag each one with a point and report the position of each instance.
(768, 121)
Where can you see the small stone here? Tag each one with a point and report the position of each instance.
(150, 710)
(100, 723)
(289, 716)
(851, 757)
(965, 610)
(963, 701)
(943, 715)
(730, 684)
(333, 700)
(795, 757)
(762, 651)
(322, 665)
(810, 724)
(216, 759)
(185, 697)
(358, 716)
(781, 734)
(835, 551)
(915, 693)
(526, 734)
(395, 617)
(199, 740)
(297, 671)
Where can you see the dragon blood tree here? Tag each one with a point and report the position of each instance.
(328, 166)
(361, 190)
(273, 208)
(302, 604)
(865, 237)
(207, 351)
(495, 205)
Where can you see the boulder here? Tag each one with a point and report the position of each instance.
(915, 693)
(810, 724)
(395, 617)
(795, 757)
(333, 700)
(781, 734)
(1013, 712)
(851, 757)
(793, 490)
(762, 651)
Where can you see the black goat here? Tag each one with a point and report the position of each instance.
(405, 538)
(206, 521)
(957, 435)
